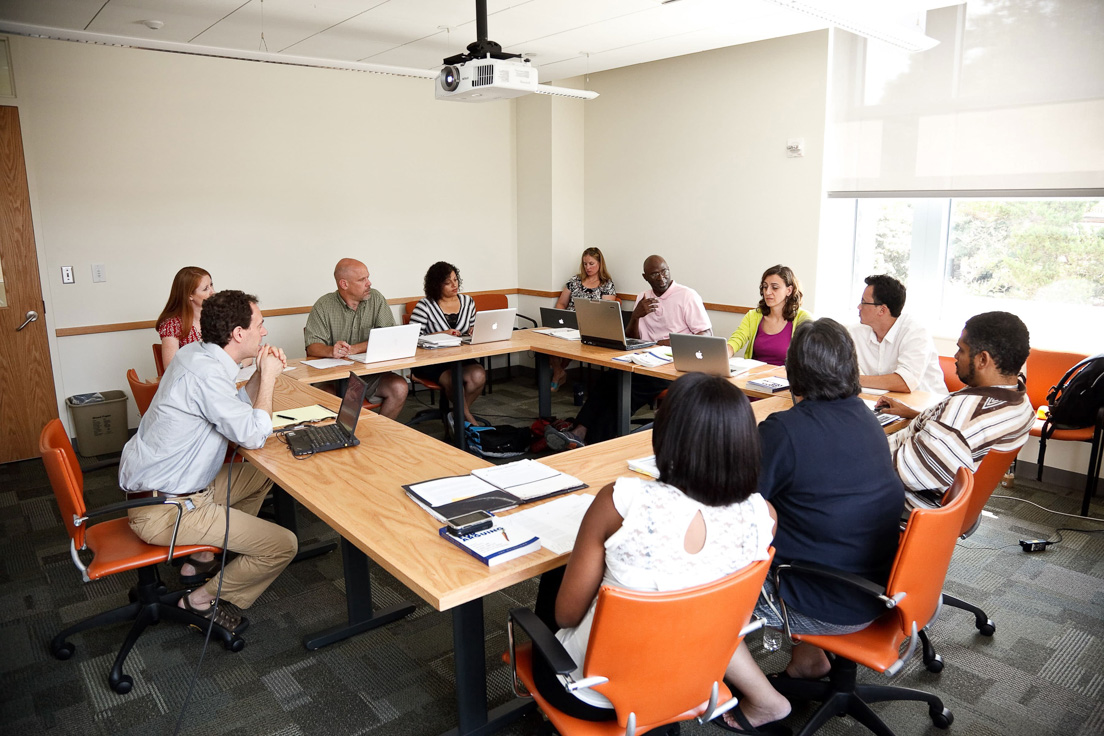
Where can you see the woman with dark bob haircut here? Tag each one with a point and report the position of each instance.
(826, 468)
(446, 310)
(702, 521)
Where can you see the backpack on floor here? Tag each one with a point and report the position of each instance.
(1075, 400)
(502, 441)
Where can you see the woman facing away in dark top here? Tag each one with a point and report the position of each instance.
(702, 521)
(827, 471)
(446, 310)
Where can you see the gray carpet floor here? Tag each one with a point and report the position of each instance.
(1041, 673)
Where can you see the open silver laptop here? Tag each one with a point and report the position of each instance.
(551, 317)
(600, 324)
(707, 354)
(492, 325)
(390, 343)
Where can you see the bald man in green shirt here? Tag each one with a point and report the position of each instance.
(339, 323)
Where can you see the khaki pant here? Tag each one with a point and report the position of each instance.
(264, 548)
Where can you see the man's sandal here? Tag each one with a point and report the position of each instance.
(204, 571)
(232, 622)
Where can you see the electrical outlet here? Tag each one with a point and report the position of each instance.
(99, 273)
(66, 274)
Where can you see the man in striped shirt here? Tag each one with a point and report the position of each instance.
(993, 410)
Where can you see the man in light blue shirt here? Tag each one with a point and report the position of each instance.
(179, 452)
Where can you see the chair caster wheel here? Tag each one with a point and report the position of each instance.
(235, 644)
(936, 665)
(987, 628)
(62, 651)
(941, 719)
(123, 686)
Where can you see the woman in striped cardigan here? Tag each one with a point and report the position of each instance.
(446, 310)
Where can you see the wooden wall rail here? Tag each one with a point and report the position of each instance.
(285, 311)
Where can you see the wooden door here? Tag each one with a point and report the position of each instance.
(27, 399)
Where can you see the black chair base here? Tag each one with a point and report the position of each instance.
(149, 603)
(985, 626)
(842, 695)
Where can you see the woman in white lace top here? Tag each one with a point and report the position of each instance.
(704, 521)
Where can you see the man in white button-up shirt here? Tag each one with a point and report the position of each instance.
(179, 452)
(896, 353)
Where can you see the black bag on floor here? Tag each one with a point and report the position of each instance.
(503, 441)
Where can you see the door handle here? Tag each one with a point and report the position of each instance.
(32, 316)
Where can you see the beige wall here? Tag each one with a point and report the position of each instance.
(263, 174)
(687, 158)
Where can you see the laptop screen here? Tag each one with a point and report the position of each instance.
(352, 403)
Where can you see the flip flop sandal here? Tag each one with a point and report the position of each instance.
(204, 571)
(774, 728)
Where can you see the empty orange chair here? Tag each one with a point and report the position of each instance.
(115, 549)
(651, 678)
(158, 361)
(143, 390)
(1045, 368)
(989, 474)
(912, 595)
(950, 374)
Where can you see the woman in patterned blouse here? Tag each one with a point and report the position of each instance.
(178, 324)
(593, 282)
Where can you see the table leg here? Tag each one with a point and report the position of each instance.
(284, 506)
(624, 402)
(544, 386)
(358, 599)
(460, 437)
(469, 660)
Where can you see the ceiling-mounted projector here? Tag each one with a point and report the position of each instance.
(480, 80)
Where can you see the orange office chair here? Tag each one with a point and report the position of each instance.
(158, 361)
(950, 374)
(115, 549)
(143, 390)
(651, 677)
(442, 410)
(1045, 368)
(913, 595)
(483, 303)
(986, 480)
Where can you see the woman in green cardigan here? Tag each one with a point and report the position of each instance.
(765, 332)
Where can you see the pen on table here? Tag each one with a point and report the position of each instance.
(504, 534)
(285, 416)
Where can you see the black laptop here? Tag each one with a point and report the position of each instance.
(312, 440)
(551, 317)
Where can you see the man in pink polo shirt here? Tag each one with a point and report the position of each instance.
(665, 308)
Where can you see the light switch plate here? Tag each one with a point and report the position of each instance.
(66, 274)
(99, 273)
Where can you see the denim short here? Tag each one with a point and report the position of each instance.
(766, 607)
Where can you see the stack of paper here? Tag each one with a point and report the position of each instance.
(302, 415)
(743, 365)
(321, 363)
(646, 466)
(769, 383)
(564, 333)
(439, 341)
(528, 479)
(556, 522)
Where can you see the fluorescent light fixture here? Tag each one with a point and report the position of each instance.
(859, 22)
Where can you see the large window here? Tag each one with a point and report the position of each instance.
(1042, 259)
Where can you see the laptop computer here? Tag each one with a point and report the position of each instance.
(390, 343)
(551, 317)
(701, 354)
(492, 325)
(313, 440)
(600, 324)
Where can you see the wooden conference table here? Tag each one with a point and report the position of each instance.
(358, 492)
(543, 346)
